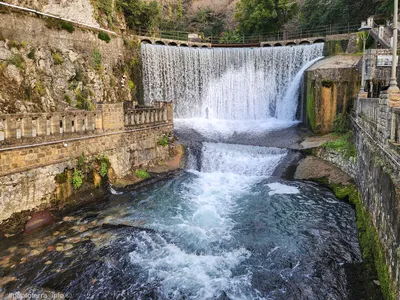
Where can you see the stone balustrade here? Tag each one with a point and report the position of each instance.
(145, 116)
(31, 128)
(19, 126)
(368, 108)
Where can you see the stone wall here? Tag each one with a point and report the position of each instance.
(27, 172)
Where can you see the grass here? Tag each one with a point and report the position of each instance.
(18, 61)
(142, 174)
(96, 59)
(344, 144)
(164, 141)
(57, 58)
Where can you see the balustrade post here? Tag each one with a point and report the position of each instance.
(2, 129)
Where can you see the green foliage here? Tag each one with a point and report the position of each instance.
(163, 141)
(131, 85)
(60, 25)
(57, 58)
(62, 178)
(104, 36)
(255, 16)
(96, 60)
(139, 13)
(103, 169)
(40, 89)
(31, 54)
(369, 41)
(14, 44)
(142, 174)
(82, 161)
(103, 163)
(105, 6)
(341, 124)
(68, 99)
(230, 37)
(344, 144)
(77, 179)
(18, 61)
(67, 26)
(207, 21)
(82, 101)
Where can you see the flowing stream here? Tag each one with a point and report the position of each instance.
(224, 229)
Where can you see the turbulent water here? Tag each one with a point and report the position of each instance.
(229, 84)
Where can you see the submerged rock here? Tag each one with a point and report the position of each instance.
(39, 220)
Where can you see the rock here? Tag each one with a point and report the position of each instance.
(4, 261)
(68, 219)
(13, 73)
(5, 54)
(314, 168)
(55, 233)
(49, 262)
(51, 248)
(59, 248)
(6, 279)
(39, 220)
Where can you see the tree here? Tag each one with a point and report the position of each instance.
(140, 14)
(257, 16)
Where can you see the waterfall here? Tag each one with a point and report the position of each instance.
(227, 84)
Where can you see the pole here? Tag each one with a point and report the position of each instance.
(363, 65)
(393, 79)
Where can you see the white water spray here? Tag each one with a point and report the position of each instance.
(229, 84)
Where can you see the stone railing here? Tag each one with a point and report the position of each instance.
(145, 116)
(19, 126)
(34, 128)
(368, 108)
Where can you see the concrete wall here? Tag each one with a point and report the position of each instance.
(331, 87)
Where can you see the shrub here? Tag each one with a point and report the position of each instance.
(40, 89)
(104, 37)
(131, 85)
(103, 169)
(31, 54)
(67, 26)
(82, 101)
(164, 141)
(62, 178)
(68, 99)
(142, 174)
(57, 58)
(77, 179)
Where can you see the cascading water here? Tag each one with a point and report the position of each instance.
(229, 84)
(226, 228)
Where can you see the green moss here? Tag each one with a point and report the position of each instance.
(372, 249)
(57, 58)
(62, 178)
(40, 89)
(327, 83)
(311, 104)
(131, 85)
(341, 124)
(344, 144)
(60, 25)
(142, 174)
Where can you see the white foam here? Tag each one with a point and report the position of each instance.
(281, 189)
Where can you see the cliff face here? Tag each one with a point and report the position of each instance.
(77, 10)
(44, 68)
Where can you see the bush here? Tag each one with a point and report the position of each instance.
(77, 179)
(104, 37)
(31, 54)
(67, 26)
(164, 141)
(57, 58)
(131, 85)
(142, 174)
